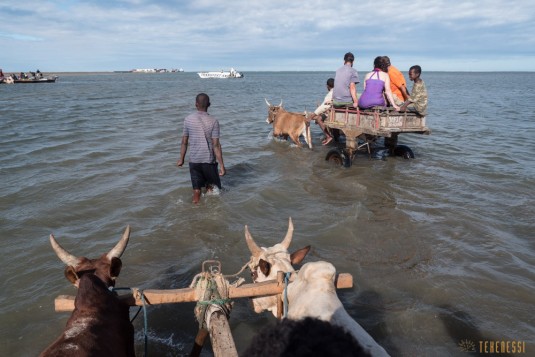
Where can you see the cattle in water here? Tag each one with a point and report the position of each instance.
(311, 294)
(100, 323)
(287, 124)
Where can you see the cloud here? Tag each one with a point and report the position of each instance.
(19, 37)
(292, 35)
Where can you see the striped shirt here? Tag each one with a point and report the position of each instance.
(200, 128)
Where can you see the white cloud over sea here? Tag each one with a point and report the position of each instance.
(107, 35)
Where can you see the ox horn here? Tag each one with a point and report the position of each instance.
(269, 105)
(66, 257)
(288, 239)
(280, 105)
(119, 248)
(253, 247)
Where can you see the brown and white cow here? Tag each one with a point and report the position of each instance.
(287, 124)
(100, 323)
(311, 294)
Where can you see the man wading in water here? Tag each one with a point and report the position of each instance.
(203, 129)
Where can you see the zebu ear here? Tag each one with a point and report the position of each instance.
(71, 275)
(298, 256)
(115, 267)
(264, 266)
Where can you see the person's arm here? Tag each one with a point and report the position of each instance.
(388, 91)
(403, 107)
(183, 150)
(353, 91)
(219, 155)
(404, 92)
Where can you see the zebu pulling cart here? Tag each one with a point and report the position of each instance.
(362, 127)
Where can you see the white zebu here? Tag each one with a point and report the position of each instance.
(311, 294)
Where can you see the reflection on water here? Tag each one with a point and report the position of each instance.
(439, 247)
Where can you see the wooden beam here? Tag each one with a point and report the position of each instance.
(156, 297)
(220, 335)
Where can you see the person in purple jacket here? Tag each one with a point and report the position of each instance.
(376, 85)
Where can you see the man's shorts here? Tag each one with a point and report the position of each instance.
(203, 175)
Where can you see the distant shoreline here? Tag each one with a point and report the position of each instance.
(77, 73)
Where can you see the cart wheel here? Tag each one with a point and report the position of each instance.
(403, 151)
(335, 157)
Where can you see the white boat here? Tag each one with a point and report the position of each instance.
(221, 74)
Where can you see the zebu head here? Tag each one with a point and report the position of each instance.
(273, 110)
(266, 262)
(106, 268)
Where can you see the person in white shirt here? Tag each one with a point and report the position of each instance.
(319, 114)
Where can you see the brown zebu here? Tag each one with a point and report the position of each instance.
(100, 323)
(287, 124)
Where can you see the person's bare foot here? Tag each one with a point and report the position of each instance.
(196, 196)
(327, 140)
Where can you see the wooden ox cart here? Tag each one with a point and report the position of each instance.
(362, 128)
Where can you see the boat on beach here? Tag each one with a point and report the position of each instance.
(221, 74)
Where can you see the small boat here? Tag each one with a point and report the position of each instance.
(50, 79)
(221, 74)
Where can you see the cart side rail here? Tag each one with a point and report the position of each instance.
(379, 121)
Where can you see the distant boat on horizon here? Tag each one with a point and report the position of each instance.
(221, 74)
(50, 79)
(152, 70)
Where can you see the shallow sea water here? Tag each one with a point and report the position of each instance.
(440, 247)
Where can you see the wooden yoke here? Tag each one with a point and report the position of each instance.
(64, 303)
(213, 294)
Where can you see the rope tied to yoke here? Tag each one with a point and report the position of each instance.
(214, 290)
(144, 307)
(287, 276)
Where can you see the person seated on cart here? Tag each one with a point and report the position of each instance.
(417, 102)
(320, 115)
(398, 85)
(345, 84)
(376, 85)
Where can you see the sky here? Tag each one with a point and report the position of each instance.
(269, 35)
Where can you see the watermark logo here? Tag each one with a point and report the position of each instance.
(490, 347)
(467, 346)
